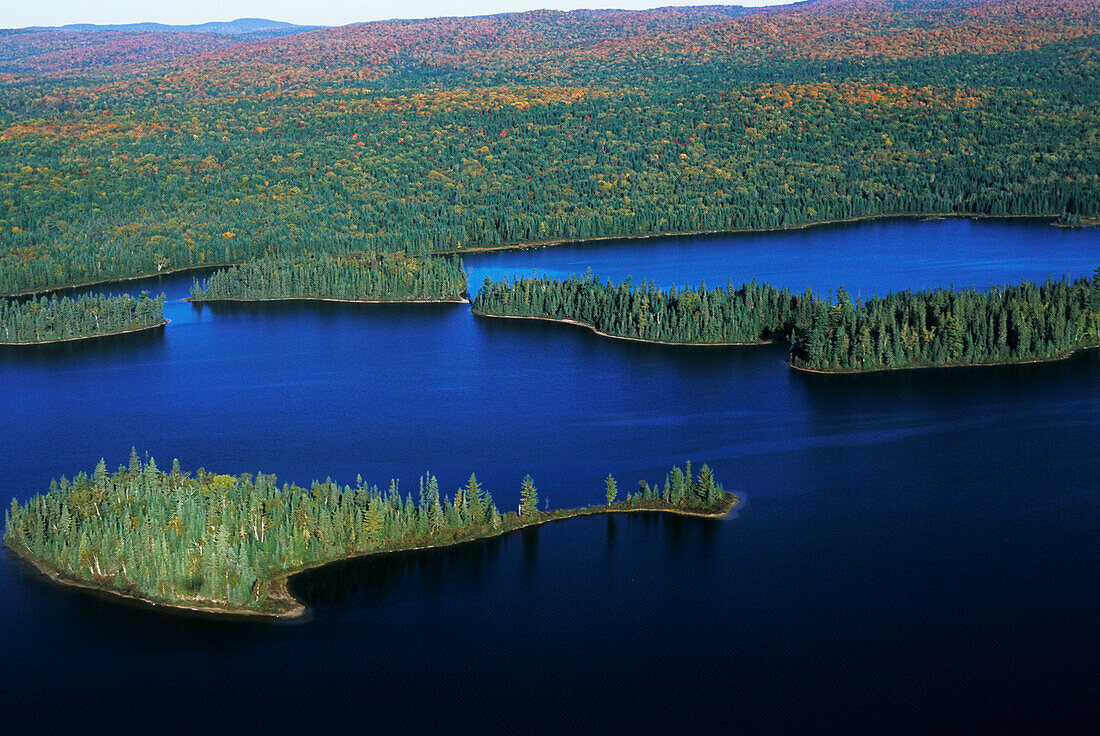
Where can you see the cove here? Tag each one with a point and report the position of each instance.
(911, 546)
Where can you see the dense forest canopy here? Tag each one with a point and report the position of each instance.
(909, 329)
(386, 276)
(220, 540)
(948, 327)
(456, 133)
(52, 319)
(700, 316)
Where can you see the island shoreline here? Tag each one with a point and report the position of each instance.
(119, 279)
(564, 321)
(1049, 219)
(295, 611)
(162, 323)
(987, 364)
(193, 300)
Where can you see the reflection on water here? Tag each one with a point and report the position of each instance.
(432, 574)
(92, 349)
(377, 577)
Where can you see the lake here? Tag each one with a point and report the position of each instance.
(915, 550)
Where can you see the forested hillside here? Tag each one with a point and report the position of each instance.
(223, 540)
(353, 277)
(52, 319)
(443, 135)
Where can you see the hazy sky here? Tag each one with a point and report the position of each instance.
(20, 13)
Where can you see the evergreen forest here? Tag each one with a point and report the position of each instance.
(227, 542)
(909, 329)
(698, 316)
(945, 327)
(385, 276)
(49, 319)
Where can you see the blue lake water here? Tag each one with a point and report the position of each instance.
(866, 258)
(915, 550)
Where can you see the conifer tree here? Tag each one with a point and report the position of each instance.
(474, 498)
(529, 497)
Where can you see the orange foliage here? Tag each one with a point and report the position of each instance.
(839, 29)
(551, 48)
(492, 98)
(877, 94)
(80, 128)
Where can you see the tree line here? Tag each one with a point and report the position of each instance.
(220, 539)
(698, 315)
(939, 327)
(392, 276)
(49, 319)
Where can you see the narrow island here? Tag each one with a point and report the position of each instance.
(225, 544)
(49, 319)
(938, 328)
(354, 277)
(749, 315)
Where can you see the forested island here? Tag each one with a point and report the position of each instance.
(752, 313)
(49, 319)
(947, 327)
(910, 329)
(443, 135)
(226, 544)
(362, 277)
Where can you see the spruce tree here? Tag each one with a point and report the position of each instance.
(529, 497)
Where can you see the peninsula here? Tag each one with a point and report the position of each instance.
(226, 545)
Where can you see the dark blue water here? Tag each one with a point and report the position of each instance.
(917, 550)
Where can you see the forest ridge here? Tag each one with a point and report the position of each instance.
(130, 153)
(816, 29)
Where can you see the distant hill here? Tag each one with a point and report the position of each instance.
(240, 26)
(373, 46)
(87, 46)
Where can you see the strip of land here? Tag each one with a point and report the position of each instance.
(985, 364)
(461, 300)
(1021, 323)
(227, 544)
(750, 231)
(281, 604)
